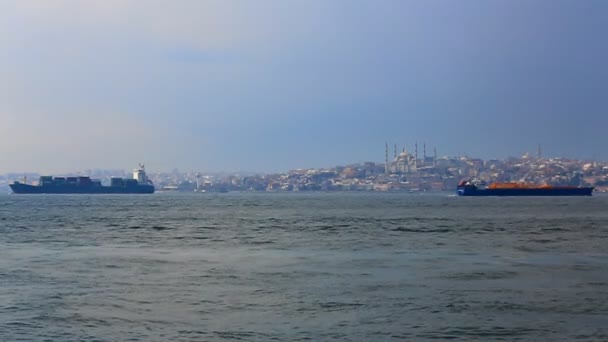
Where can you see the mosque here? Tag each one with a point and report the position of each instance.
(405, 162)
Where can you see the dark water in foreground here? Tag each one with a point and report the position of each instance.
(261, 267)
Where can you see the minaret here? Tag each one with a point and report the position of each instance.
(539, 152)
(434, 156)
(416, 155)
(386, 157)
(395, 151)
(424, 154)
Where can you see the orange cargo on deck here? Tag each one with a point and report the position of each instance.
(513, 185)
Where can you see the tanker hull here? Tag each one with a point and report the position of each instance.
(556, 191)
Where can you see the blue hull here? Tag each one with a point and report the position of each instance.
(472, 191)
(20, 188)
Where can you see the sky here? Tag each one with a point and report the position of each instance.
(270, 86)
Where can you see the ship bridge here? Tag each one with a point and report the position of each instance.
(140, 175)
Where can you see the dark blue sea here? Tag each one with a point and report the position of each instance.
(302, 266)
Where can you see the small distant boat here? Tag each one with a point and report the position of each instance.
(471, 188)
(139, 184)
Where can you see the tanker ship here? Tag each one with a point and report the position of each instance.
(139, 184)
(472, 188)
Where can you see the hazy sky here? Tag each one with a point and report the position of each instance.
(276, 85)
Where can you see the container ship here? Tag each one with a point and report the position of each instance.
(139, 184)
(470, 188)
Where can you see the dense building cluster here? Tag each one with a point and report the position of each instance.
(403, 172)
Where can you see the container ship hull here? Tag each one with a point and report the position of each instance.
(526, 192)
(20, 188)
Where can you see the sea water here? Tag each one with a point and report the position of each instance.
(302, 266)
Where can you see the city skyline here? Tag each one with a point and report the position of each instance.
(403, 171)
(389, 152)
(270, 86)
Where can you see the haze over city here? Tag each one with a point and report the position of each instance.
(276, 85)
